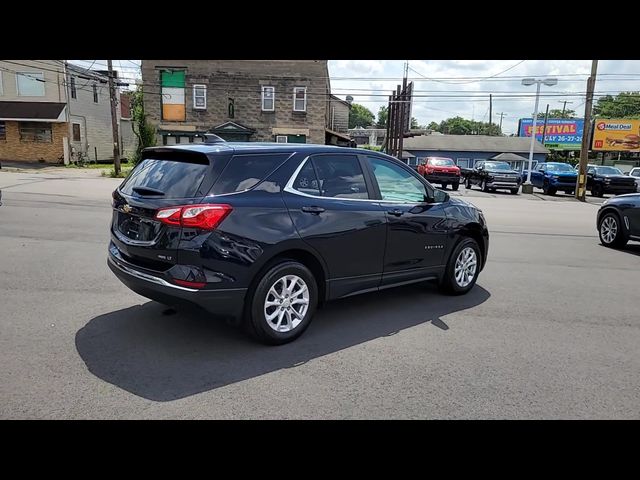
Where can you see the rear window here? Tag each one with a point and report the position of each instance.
(246, 171)
(175, 178)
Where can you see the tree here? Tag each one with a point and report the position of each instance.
(360, 116)
(414, 123)
(462, 126)
(557, 113)
(383, 114)
(143, 130)
(623, 105)
(433, 126)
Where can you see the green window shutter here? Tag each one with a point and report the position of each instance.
(173, 79)
(296, 138)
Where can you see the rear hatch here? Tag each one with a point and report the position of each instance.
(164, 178)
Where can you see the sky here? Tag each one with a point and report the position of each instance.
(449, 88)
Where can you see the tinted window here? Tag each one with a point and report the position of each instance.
(306, 181)
(340, 176)
(176, 179)
(559, 167)
(396, 183)
(634, 173)
(246, 171)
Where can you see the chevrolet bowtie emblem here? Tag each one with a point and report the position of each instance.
(127, 208)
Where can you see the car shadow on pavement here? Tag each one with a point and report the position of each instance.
(162, 357)
(634, 249)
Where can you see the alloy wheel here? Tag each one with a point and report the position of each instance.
(609, 229)
(286, 303)
(466, 265)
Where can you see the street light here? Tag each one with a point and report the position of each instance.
(527, 82)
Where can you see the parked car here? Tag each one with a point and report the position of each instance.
(493, 175)
(635, 174)
(553, 176)
(261, 234)
(618, 220)
(440, 170)
(605, 179)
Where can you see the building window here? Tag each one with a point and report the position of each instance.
(37, 132)
(76, 132)
(268, 99)
(95, 93)
(281, 139)
(74, 94)
(300, 99)
(3, 131)
(200, 97)
(462, 162)
(30, 84)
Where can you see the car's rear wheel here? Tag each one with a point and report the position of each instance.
(514, 191)
(463, 268)
(611, 231)
(444, 185)
(283, 303)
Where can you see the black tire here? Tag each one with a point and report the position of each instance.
(256, 322)
(514, 191)
(597, 190)
(444, 185)
(455, 186)
(467, 185)
(620, 238)
(483, 186)
(448, 283)
(552, 191)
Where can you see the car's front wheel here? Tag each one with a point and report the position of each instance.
(283, 303)
(597, 190)
(467, 185)
(455, 186)
(611, 232)
(462, 269)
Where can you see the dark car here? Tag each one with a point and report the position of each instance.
(618, 220)
(440, 170)
(261, 234)
(553, 176)
(604, 179)
(493, 175)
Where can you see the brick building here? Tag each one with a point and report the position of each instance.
(243, 100)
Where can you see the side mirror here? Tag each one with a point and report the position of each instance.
(439, 196)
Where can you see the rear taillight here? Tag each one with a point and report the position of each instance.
(206, 217)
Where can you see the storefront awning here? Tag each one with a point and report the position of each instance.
(32, 111)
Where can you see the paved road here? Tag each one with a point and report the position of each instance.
(550, 331)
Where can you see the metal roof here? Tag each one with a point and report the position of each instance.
(36, 111)
(472, 143)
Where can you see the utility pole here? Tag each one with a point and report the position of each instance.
(581, 182)
(490, 111)
(544, 127)
(502, 114)
(564, 106)
(114, 120)
(67, 80)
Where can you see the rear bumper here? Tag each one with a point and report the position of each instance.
(224, 303)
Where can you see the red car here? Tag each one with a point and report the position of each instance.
(440, 170)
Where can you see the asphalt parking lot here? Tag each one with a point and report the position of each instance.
(551, 330)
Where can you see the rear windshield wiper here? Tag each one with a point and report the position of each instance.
(147, 191)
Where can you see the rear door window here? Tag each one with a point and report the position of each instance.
(340, 176)
(246, 171)
(306, 181)
(175, 178)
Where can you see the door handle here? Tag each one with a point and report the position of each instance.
(316, 210)
(397, 212)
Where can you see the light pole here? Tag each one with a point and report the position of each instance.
(527, 187)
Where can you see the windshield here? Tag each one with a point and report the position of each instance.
(497, 166)
(560, 167)
(441, 162)
(608, 171)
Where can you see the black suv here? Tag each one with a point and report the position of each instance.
(604, 179)
(261, 234)
(618, 220)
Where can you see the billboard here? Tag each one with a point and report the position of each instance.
(616, 135)
(561, 134)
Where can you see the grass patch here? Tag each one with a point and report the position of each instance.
(112, 173)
